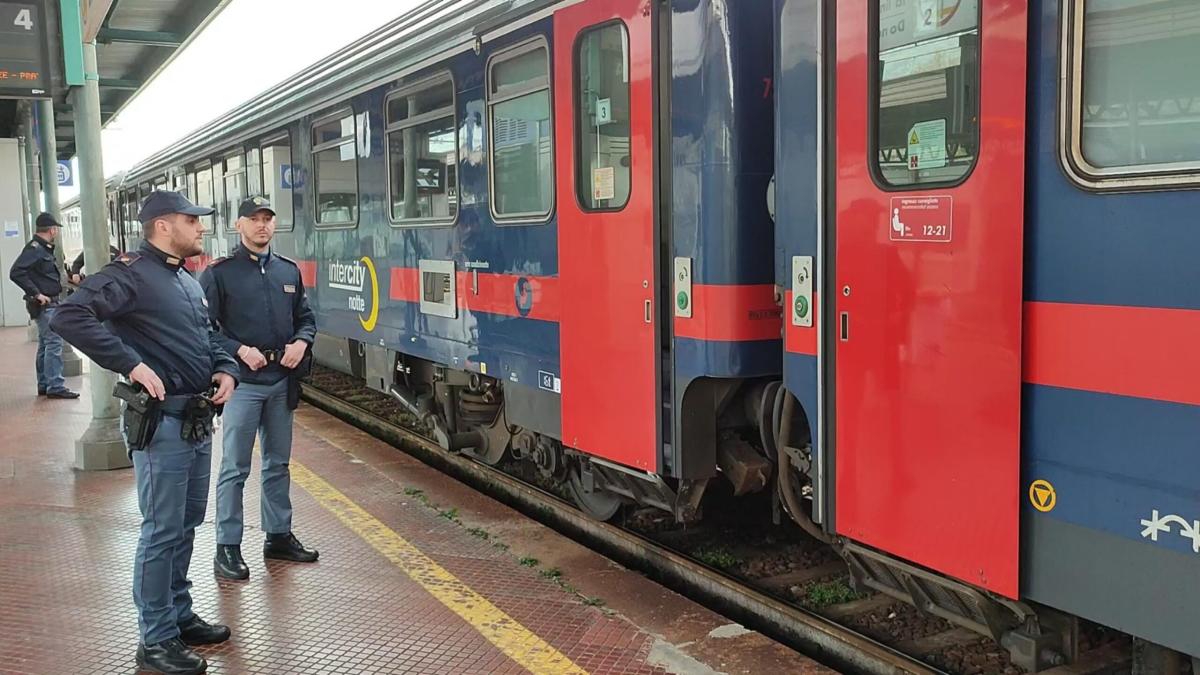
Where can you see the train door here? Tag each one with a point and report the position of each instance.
(604, 117)
(929, 182)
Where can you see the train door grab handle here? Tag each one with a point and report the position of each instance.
(649, 312)
(844, 327)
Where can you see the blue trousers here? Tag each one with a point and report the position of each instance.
(172, 484)
(255, 409)
(49, 355)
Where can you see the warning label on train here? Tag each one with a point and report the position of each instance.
(922, 218)
(927, 145)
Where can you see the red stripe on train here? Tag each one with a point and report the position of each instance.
(731, 313)
(491, 294)
(1146, 352)
(308, 272)
(801, 339)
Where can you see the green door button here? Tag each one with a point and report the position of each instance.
(801, 307)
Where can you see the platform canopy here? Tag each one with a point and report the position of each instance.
(135, 41)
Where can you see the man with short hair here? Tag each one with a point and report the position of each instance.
(257, 298)
(36, 272)
(143, 316)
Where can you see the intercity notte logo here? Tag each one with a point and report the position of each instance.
(353, 277)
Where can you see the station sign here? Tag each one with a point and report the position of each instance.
(26, 30)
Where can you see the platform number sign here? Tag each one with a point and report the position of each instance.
(24, 61)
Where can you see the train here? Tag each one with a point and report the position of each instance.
(921, 269)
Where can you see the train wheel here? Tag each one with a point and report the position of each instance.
(597, 504)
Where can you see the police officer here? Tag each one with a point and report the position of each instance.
(36, 272)
(143, 316)
(257, 297)
(75, 271)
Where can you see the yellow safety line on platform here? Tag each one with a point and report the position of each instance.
(515, 640)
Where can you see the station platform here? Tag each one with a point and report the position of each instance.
(418, 573)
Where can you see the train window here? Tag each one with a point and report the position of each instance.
(602, 118)
(926, 93)
(204, 193)
(335, 168)
(1135, 90)
(520, 135)
(180, 184)
(254, 172)
(277, 179)
(422, 154)
(235, 189)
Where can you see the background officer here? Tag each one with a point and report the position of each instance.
(257, 297)
(75, 271)
(159, 335)
(36, 272)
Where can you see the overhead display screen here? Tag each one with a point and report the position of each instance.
(24, 66)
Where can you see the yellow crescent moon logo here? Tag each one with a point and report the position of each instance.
(369, 323)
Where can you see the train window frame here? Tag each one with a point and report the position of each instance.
(314, 149)
(577, 111)
(875, 90)
(490, 102)
(1081, 172)
(389, 128)
(268, 141)
(230, 217)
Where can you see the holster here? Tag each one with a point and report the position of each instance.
(140, 415)
(34, 307)
(298, 373)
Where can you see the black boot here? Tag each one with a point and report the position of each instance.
(229, 564)
(197, 631)
(171, 657)
(287, 547)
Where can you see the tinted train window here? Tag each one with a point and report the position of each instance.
(423, 155)
(927, 87)
(602, 118)
(279, 177)
(336, 170)
(1140, 84)
(204, 194)
(235, 189)
(520, 134)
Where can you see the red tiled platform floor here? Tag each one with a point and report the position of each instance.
(381, 599)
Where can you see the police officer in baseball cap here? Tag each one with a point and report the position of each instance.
(36, 272)
(143, 316)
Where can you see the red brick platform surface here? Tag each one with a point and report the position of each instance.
(417, 574)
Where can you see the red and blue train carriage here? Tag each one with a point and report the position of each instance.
(1001, 378)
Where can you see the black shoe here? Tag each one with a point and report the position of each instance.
(197, 631)
(41, 392)
(170, 656)
(64, 393)
(229, 564)
(287, 547)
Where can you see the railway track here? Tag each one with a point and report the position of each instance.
(772, 579)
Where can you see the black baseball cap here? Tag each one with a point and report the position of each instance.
(253, 205)
(46, 221)
(164, 202)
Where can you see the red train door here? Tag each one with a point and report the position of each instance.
(930, 110)
(604, 108)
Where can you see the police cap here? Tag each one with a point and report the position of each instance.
(46, 221)
(164, 202)
(253, 205)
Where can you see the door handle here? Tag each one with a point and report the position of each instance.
(649, 312)
(844, 327)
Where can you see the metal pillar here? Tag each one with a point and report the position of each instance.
(101, 446)
(48, 149)
(29, 185)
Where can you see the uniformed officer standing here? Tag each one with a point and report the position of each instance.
(75, 271)
(143, 316)
(257, 297)
(36, 272)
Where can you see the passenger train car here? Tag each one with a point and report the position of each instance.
(900, 262)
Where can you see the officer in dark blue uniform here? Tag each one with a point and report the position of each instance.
(257, 297)
(144, 316)
(36, 272)
(75, 271)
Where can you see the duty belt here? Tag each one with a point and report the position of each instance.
(272, 355)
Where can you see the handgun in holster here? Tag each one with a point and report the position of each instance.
(140, 415)
(298, 373)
